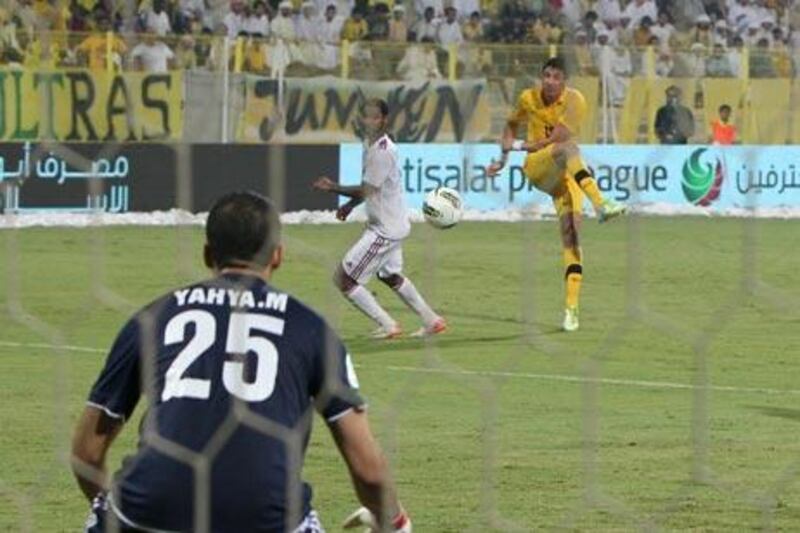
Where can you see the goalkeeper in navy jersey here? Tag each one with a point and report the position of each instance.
(232, 369)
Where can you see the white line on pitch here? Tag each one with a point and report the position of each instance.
(583, 379)
(64, 347)
(487, 373)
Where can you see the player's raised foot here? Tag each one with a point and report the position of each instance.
(610, 210)
(570, 319)
(434, 328)
(385, 334)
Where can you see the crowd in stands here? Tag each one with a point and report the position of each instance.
(694, 38)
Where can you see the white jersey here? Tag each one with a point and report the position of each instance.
(386, 208)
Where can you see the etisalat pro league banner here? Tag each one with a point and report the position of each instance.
(707, 176)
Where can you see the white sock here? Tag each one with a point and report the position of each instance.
(411, 296)
(366, 302)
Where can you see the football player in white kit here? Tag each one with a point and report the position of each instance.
(379, 250)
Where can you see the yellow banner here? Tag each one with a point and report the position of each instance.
(83, 105)
(326, 110)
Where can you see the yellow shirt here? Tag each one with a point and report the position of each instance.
(569, 110)
(354, 31)
(94, 47)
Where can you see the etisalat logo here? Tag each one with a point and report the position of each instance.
(702, 181)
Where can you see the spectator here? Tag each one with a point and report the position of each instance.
(740, 16)
(642, 34)
(702, 32)
(718, 65)
(234, 19)
(427, 27)
(765, 31)
(694, 63)
(449, 31)
(735, 56)
(331, 36)
(92, 50)
(190, 11)
(761, 61)
(307, 24)
(567, 13)
(624, 33)
(721, 33)
(398, 29)
(285, 51)
(473, 28)
(421, 6)
(28, 19)
(638, 9)
(664, 62)
(674, 122)
(722, 131)
(781, 54)
(378, 23)
(156, 19)
(591, 25)
(257, 23)
(282, 26)
(686, 12)
(664, 30)
(583, 55)
(419, 62)
(465, 8)
(608, 11)
(8, 34)
(752, 35)
(620, 71)
(152, 55)
(355, 28)
(185, 56)
(255, 56)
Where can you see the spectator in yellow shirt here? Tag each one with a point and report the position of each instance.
(92, 50)
(355, 28)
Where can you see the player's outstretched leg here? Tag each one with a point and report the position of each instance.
(433, 324)
(605, 209)
(363, 299)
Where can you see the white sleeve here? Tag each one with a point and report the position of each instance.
(379, 167)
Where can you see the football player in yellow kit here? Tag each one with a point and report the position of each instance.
(554, 165)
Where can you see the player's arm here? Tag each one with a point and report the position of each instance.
(370, 474)
(112, 400)
(507, 141)
(357, 192)
(93, 437)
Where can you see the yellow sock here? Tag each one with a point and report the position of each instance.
(573, 275)
(577, 167)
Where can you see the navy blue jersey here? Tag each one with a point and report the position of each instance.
(232, 369)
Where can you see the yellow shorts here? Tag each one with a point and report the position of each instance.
(543, 172)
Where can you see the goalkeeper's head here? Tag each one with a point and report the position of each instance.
(243, 231)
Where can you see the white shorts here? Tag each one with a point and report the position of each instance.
(373, 254)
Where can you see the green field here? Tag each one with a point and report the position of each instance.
(674, 407)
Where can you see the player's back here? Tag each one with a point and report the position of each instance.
(236, 368)
(386, 210)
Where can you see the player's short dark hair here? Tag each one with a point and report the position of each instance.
(378, 103)
(243, 228)
(725, 107)
(556, 63)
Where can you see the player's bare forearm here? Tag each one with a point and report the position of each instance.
(368, 468)
(325, 184)
(93, 437)
(355, 192)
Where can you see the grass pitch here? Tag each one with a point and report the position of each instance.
(674, 406)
